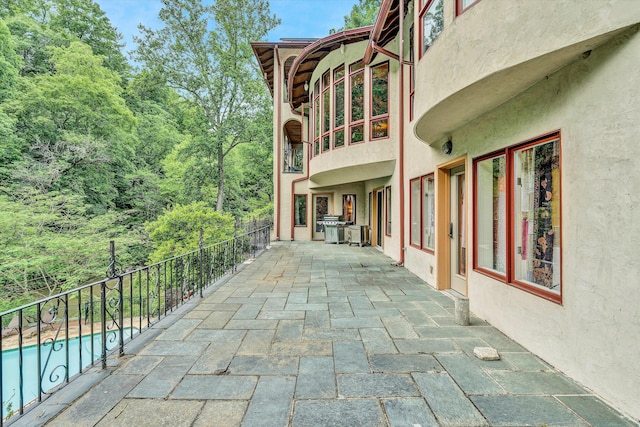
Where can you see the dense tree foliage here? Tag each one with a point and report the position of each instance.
(362, 14)
(92, 150)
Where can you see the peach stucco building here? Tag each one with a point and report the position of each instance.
(491, 147)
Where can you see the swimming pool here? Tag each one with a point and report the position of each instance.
(53, 365)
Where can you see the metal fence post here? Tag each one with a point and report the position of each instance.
(201, 259)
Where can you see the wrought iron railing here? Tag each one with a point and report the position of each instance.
(47, 343)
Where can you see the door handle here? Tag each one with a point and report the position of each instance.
(451, 230)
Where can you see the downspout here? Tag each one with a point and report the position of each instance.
(277, 177)
(304, 178)
(401, 144)
(400, 60)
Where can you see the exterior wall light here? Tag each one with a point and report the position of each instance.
(447, 147)
(306, 86)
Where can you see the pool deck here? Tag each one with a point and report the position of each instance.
(311, 334)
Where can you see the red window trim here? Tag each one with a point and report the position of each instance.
(425, 4)
(509, 278)
(422, 246)
(342, 127)
(352, 123)
(326, 88)
(460, 10)
(306, 214)
(421, 217)
(381, 116)
(387, 209)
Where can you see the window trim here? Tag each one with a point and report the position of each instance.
(509, 277)
(387, 211)
(326, 93)
(306, 210)
(317, 119)
(379, 117)
(460, 10)
(358, 122)
(335, 129)
(420, 180)
(425, 5)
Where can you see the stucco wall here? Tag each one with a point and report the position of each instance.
(593, 335)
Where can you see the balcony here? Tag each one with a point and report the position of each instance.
(499, 48)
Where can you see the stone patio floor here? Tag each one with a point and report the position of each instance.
(310, 334)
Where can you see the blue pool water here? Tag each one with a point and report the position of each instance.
(53, 365)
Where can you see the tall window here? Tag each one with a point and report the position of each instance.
(326, 111)
(387, 204)
(316, 114)
(431, 22)
(356, 102)
(349, 207)
(517, 214)
(300, 210)
(423, 235)
(380, 101)
(415, 212)
(338, 105)
(428, 213)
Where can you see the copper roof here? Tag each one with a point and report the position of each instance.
(306, 62)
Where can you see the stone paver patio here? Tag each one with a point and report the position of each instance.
(310, 334)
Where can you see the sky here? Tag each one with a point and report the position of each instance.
(300, 18)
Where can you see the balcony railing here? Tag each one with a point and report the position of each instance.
(47, 343)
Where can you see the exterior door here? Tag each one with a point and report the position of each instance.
(458, 231)
(320, 209)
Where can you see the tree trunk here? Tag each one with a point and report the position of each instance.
(219, 202)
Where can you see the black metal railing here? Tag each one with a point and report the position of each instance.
(47, 343)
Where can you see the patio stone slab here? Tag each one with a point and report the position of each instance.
(468, 375)
(377, 341)
(263, 365)
(409, 411)
(220, 387)
(179, 330)
(271, 402)
(227, 413)
(350, 357)
(375, 385)
(449, 404)
(338, 413)
(157, 412)
(316, 378)
(174, 348)
(595, 411)
(441, 345)
(404, 363)
(536, 383)
(516, 411)
(162, 380)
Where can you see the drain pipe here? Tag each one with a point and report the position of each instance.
(278, 178)
(304, 178)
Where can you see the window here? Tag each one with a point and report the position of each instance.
(326, 111)
(356, 101)
(517, 216)
(415, 212)
(349, 208)
(380, 101)
(462, 5)
(388, 210)
(431, 23)
(300, 210)
(293, 157)
(316, 115)
(428, 213)
(338, 107)
(491, 214)
(423, 205)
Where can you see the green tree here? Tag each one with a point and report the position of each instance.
(177, 231)
(362, 14)
(75, 127)
(204, 53)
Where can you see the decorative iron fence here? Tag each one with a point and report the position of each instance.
(47, 343)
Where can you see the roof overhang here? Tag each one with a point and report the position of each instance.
(265, 52)
(386, 27)
(305, 63)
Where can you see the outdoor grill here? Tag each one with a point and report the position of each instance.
(333, 229)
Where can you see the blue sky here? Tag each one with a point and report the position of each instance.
(300, 18)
